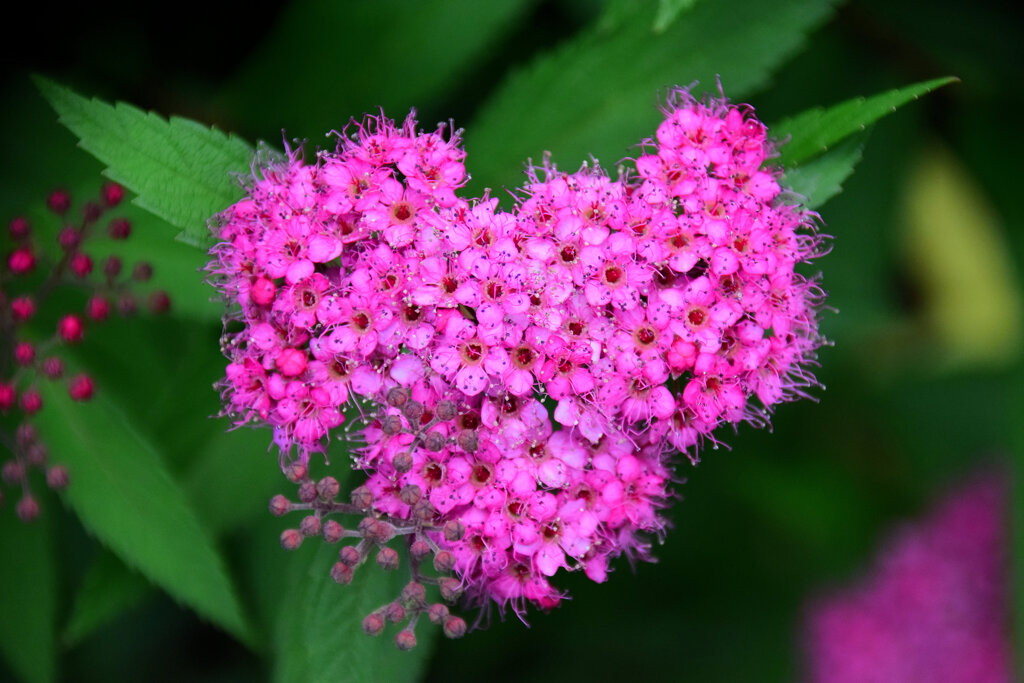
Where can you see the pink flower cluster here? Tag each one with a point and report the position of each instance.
(933, 608)
(524, 373)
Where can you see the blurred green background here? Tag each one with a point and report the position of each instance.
(925, 382)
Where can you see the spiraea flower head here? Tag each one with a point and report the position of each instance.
(520, 378)
(34, 267)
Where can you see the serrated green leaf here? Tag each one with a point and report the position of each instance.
(124, 495)
(587, 97)
(178, 168)
(320, 635)
(108, 589)
(815, 130)
(669, 11)
(822, 178)
(28, 590)
(346, 58)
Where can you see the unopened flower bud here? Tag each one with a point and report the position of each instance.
(307, 492)
(27, 508)
(419, 549)
(395, 612)
(36, 454)
(142, 271)
(424, 511)
(410, 494)
(24, 353)
(454, 627)
(112, 194)
(13, 472)
(127, 304)
(7, 396)
(59, 201)
(434, 441)
(328, 488)
(112, 267)
(68, 238)
(349, 555)
(446, 410)
(22, 308)
(414, 593)
(159, 302)
(279, 506)
(296, 472)
(454, 530)
(21, 260)
(361, 497)
(450, 589)
(468, 440)
(373, 624)
(405, 640)
(98, 308)
(57, 477)
(31, 402)
(53, 367)
(26, 434)
(333, 531)
(119, 228)
(397, 397)
(402, 462)
(444, 561)
(81, 264)
(387, 558)
(19, 228)
(91, 211)
(71, 329)
(291, 539)
(341, 573)
(81, 388)
(310, 526)
(262, 291)
(413, 411)
(438, 612)
(391, 424)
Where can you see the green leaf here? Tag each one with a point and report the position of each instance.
(178, 168)
(28, 590)
(124, 495)
(108, 589)
(815, 130)
(669, 11)
(822, 178)
(346, 58)
(598, 94)
(320, 635)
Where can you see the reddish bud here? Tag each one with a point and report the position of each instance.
(13, 472)
(59, 201)
(159, 302)
(414, 593)
(53, 367)
(341, 573)
(446, 410)
(31, 402)
(405, 640)
(424, 511)
(26, 434)
(328, 488)
(437, 613)
(262, 291)
(119, 228)
(91, 211)
(20, 228)
(450, 589)
(71, 329)
(291, 362)
(395, 612)
(454, 530)
(454, 627)
(349, 555)
(127, 304)
(413, 411)
(296, 472)
(391, 424)
(279, 506)
(81, 388)
(57, 477)
(468, 440)
(402, 462)
(333, 531)
(98, 308)
(444, 561)
(410, 494)
(7, 396)
(387, 558)
(373, 624)
(68, 238)
(23, 308)
(27, 508)
(35, 455)
(434, 441)
(419, 549)
(142, 271)
(310, 526)
(24, 353)
(21, 260)
(112, 267)
(307, 492)
(361, 497)
(291, 539)
(112, 194)
(397, 397)
(81, 264)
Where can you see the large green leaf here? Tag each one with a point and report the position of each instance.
(124, 495)
(587, 97)
(815, 130)
(28, 593)
(108, 589)
(335, 60)
(822, 178)
(320, 636)
(180, 169)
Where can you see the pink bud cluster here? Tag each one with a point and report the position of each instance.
(933, 608)
(527, 373)
(29, 348)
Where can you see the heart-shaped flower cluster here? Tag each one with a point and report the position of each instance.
(524, 374)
